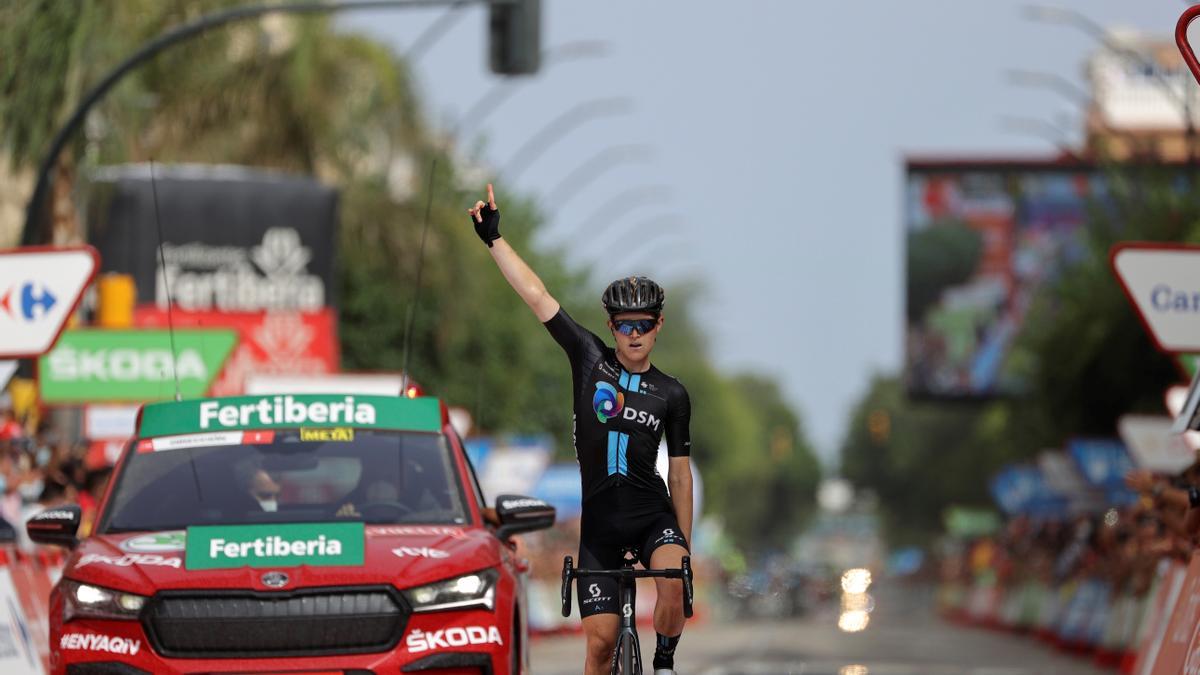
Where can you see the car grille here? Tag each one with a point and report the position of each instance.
(300, 623)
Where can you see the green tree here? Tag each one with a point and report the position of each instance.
(919, 457)
(1087, 356)
(939, 256)
(292, 94)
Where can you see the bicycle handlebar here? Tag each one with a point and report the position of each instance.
(683, 572)
(672, 573)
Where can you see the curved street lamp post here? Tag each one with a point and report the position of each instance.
(172, 37)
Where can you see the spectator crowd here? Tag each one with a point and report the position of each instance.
(41, 468)
(1089, 583)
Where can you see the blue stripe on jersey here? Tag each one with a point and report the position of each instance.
(618, 442)
(622, 450)
(612, 451)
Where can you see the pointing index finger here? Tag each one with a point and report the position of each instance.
(491, 197)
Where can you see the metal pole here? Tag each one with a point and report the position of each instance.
(174, 36)
(1088, 25)
(502, 91)
(435, 31)
(1042, 129)
(622, 204)
(1052, 81)
(559, 127)
(593, 168)
(669, 225)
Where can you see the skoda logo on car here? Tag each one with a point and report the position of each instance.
(275, 580)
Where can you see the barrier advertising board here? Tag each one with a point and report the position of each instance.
(1180, 647)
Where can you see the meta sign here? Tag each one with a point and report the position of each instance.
(1163, 283)
(40, 288)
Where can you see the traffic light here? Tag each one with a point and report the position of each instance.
(516, 37)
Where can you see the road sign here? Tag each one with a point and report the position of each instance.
(1163, 283)
(40, 288)
(7, 370)
(1154, 445)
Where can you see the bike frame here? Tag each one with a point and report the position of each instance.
(629, 650)
(628, 653)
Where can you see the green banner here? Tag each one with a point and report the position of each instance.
(285, 411)
(132, 365)
(1189, 363)
(211, 547)
(969, 522)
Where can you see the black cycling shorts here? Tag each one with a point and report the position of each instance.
(612, 520)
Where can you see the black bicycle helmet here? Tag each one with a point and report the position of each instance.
(633, 294)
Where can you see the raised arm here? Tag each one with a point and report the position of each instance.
(486, 218)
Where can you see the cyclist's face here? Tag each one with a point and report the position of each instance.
(636, 345)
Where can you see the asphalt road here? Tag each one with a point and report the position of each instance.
(903, 638)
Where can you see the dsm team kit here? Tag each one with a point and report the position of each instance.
(623, 408)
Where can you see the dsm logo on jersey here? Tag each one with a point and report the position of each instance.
(607, 401)
(642, 417)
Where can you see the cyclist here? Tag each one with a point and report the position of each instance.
(623, 406)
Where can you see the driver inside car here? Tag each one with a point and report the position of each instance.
(377, 491)
(404, 487)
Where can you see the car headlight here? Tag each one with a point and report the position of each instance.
(469, 590)
(85, 601)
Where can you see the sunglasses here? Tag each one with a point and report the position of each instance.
(627, 326)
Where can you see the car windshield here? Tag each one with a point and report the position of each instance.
(285, 476)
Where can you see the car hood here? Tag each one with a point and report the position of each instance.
(402, 555)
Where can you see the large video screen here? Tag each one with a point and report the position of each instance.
(982, 239)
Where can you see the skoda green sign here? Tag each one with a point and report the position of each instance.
(211, 547)
(132, 365)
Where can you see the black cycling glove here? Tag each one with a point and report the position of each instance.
(489, 229)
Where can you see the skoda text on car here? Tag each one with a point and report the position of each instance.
(297, 534)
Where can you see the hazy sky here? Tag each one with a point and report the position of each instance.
(778, 130)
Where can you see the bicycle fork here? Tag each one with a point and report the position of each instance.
(628, 651)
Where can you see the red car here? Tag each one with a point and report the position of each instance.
(292, 534)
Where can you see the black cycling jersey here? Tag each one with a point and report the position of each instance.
(620, 417)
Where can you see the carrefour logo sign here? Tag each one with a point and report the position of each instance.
(30, 300)
(285, 410)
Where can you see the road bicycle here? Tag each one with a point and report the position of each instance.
(627, 656)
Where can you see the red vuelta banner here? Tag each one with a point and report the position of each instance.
(1158, 615)
(293, 343)
(25, 582)
(1180, 648)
